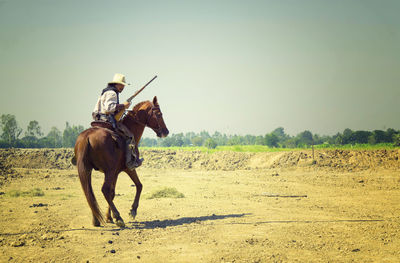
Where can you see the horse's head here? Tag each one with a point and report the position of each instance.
(148, 114)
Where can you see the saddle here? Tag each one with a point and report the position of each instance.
(117, 135)
(102, 124)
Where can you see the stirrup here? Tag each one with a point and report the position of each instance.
(131, 165)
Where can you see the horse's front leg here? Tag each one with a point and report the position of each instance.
(133, 175)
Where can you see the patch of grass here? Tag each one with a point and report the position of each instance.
(30, 193)
(66, 196)
(230, 148)
(251, 148)
(166, 192)
(357, 146)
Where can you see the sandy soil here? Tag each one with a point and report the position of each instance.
(263, 211)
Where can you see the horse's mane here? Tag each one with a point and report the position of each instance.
(138, 106)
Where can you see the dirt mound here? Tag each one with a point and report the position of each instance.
(343, 160)
(346, 160)
(39, 158)
(196, 159)
(6, 171)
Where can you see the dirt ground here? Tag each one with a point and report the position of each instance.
(237, 207)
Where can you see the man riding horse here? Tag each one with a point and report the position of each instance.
(105, 109)
(103, 149)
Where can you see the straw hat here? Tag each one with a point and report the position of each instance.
(119, 79)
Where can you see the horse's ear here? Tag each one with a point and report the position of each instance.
(155, 102)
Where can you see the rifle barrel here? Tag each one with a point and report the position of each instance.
(137, 92)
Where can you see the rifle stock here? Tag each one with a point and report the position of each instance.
(118, 115)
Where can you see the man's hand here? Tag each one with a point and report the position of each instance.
(127, 104)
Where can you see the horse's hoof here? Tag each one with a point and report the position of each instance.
(120, 223)
(132, 214)
(96, 222)
(110, 221)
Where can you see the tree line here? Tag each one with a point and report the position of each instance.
(277, 138)
(11, 135)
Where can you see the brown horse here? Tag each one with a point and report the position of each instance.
(99, 149)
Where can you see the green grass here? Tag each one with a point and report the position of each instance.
(66, 196)
(231, 148)
(30, 193)
(263, 148)
(379, 146)
(166, 192)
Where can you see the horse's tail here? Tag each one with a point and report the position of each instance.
(82, 149)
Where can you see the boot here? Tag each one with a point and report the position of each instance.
(132, 160)
(135, 155)
(130, 163)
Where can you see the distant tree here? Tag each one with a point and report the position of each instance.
(33, 130)
(291, 143)
(178, 139)
(235, 140)
(220, 139)
(347, 136)
(371, 139)
(361, 136)
(271, 140)
(210, 143)
(260, 140)
(32, 134)
(187, 138)
(317, 139)
(389, 134)
(248, 139)
(148, 142)
(10, 129)
(305, 138)
(280, 132)
(379, 136)
(70, 134)
(338, 139)
(166, 142)
(282, 136)
(54, 138)
(204, 135)
(197, 141)
(396, 140)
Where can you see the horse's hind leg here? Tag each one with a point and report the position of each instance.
(108, 190)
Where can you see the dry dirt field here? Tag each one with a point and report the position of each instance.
(237, 207)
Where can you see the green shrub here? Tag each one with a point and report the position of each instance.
(210, 144)
(29, 193)
(166, 192)
(396, 139)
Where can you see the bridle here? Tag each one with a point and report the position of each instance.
(157, 115)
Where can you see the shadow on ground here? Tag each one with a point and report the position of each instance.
(141, 225)
(180, 221)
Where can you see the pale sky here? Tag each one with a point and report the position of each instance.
(237, 67)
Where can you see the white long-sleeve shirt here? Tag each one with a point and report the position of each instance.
(106, 104)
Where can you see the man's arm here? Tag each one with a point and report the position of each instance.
(110, 103)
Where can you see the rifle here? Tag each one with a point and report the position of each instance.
(118, 115)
